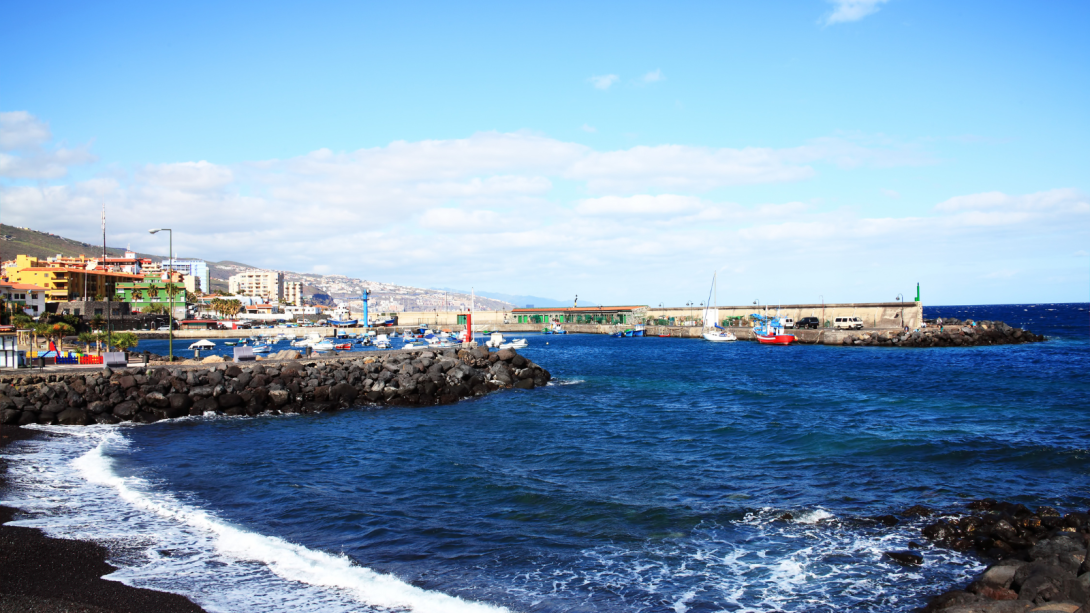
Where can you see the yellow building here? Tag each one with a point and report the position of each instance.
(63, 283)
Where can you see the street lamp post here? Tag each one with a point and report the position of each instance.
(901, 297)
(170, 298)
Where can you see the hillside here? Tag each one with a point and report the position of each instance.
(25, 241)
(385, 297)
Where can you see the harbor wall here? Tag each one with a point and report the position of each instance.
(873, 314)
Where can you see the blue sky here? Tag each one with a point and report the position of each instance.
(622, 151)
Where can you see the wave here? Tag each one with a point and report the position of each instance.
(163, 543)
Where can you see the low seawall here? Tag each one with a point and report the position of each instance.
(423, 378)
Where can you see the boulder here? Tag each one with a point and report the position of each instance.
(1002, 574)
(157, 400)
(204, 405)
(126, 410)
(180, 402)
(904, 558)
(229, 400)
(10, 416)
(72, 417)
(343, 392)
(28, 417)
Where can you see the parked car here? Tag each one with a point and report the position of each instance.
(848, 323)
(808, 322)
(788, 322)
(164, 328)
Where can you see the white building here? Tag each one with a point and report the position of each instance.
(30, 298)
(267, 284)
(300, 310)
(293, 292)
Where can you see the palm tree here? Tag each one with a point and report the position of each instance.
(87, 338)
(125, 340)
(232, 307)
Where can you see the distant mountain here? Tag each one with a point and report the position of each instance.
(520, 301)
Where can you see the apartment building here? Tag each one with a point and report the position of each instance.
(267, 284)
(192, 268)
(293, 292)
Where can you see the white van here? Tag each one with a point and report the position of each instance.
(788, 322)
(848, 323)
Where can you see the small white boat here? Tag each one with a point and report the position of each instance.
(309, 341)
(714, 333)
(517, 343)
(202, 344)
(382, 341)
(322, 346)
(258, 348)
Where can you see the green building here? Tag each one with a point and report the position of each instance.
(142, 294)
(581, 315)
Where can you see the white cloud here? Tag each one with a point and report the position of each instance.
(25, 136)
(682, 167)
(603, 81)
(654, 76)
(188, 176)
(852, 10)
(891, 193)
(21, 130)
(589, 128)
(521, 211)
(1051, 201)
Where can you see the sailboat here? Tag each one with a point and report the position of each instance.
(716, 333)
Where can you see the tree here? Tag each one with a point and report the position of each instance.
(190, 298)
(97, 321)
(87, 338)
(124, 340)
(100, 338)
(155, 308)
(232, 307)
(22, 321)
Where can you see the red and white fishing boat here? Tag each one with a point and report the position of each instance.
(771, 333)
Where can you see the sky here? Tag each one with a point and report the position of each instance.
(802, 150)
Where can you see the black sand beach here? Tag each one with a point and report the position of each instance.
(48, 575)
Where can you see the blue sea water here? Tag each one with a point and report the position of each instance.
(651, 476)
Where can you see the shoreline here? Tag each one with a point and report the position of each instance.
(47, 574)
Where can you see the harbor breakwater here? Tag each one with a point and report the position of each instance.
(399, 378)
(956, 334)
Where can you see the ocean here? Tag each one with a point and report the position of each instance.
(651, 475)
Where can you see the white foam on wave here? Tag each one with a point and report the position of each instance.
(759, 563)
(179, 547)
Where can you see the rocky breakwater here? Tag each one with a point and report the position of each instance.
(957, 335)
(398, 378)
(1042, 559)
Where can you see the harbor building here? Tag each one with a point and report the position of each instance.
(265, 284)
(625, 315)
(194, 268)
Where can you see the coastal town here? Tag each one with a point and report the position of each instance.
(55, 308)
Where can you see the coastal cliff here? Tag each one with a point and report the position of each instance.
(311, 386)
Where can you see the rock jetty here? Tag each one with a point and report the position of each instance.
(1042, 559)
(399, 378)
(951, 334)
